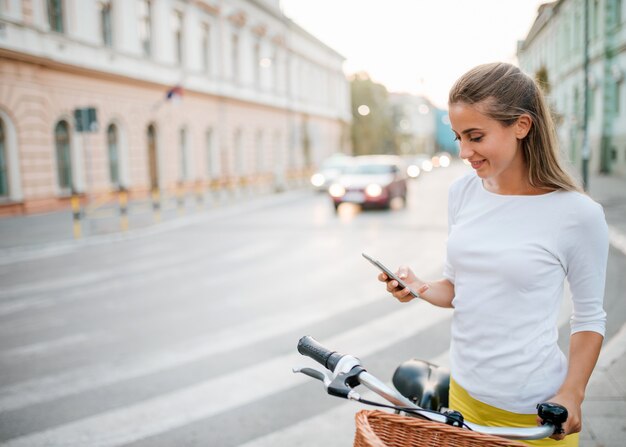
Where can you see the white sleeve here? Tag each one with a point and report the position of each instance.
(586, 254)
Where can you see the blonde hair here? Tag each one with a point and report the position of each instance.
(504, 93)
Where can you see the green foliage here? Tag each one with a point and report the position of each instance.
(372, 133)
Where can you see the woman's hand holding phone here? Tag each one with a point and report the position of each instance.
(403, 294)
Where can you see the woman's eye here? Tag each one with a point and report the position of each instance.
(476, 139)
(456, 138)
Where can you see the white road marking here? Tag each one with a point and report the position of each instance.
(48, 388)
(617, 239)
(50, 347)
(176, 409)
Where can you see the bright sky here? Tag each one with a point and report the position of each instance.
(417, 46)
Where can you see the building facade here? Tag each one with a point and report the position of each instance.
(554, 51)
(143, 95)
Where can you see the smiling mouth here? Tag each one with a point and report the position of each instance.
(477, 163)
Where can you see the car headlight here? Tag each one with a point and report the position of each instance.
(336, 190)
(374, 190)
(317, 180)
(444, 161)
(413, 171)
(427, 165)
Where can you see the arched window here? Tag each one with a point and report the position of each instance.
(153, 171)
(211, 155)
(113, 150)
(55, 15)
(64, 156)
(4, 175)
(259, 156)
(239, 162)
(145, 26)
(183, 162)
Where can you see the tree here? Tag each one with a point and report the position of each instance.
(372, 127)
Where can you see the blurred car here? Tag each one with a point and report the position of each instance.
(371, 181)
(329, 170)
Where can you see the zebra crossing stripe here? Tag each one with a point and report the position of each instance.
(176, 409)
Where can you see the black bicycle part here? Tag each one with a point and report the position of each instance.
(310, 347)
(423, 382)
(454, 418)
(313, 373)
(552, 413)
(344, 382)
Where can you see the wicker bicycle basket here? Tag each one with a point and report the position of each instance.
(379, 429)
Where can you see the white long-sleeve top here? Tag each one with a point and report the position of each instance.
(508, 257)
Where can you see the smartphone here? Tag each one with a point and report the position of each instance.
(389, 274)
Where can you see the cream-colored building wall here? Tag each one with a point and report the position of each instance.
(255, 120)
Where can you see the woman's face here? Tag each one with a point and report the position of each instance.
(492, 149)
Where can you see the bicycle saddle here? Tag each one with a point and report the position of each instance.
(423, 382)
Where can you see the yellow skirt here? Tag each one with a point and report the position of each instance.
(483, 414)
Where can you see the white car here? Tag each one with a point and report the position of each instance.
(330, 170)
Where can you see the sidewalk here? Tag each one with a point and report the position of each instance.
(604, 410)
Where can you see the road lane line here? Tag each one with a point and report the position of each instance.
(50, 347)
(176, 409)
(617, 239)
(54, 386)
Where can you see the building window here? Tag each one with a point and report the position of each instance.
(260, 165)
(183, 173)
(239, 162)
(618, 97)
(113, 149)
(153, 165)
(618, 12)
(206, 47)
(4, 176)
(105, 22)
(211, 156)
(235, 56)
(177, 29)
(256, 63)
(275, 68)
(55, 15)
(64, 157)
(145, 26)
(595, 19)
(592, 102)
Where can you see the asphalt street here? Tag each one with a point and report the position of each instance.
(184, 333)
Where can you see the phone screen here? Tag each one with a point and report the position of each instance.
(389, 273)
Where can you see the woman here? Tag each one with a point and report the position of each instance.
(518, 226)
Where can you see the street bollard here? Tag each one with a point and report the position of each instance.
(75, 202)
(156, 204)
(123, 200)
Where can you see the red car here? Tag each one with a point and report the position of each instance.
(371, 181)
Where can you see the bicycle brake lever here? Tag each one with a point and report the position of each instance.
(328, 381)
(316, 374)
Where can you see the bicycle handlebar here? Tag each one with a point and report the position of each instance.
(310, 347)
(553, 415)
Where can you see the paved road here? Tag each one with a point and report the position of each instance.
(186, 335)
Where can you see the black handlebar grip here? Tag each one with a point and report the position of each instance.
(553, 413)
(312, 348)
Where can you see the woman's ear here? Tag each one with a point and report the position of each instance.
(522, 126)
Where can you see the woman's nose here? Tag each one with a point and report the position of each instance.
(465, 151)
